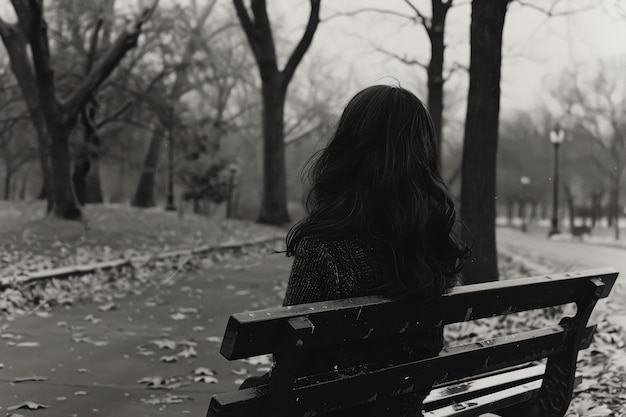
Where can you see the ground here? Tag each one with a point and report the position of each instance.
(144, 341)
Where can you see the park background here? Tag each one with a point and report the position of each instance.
(131, 128)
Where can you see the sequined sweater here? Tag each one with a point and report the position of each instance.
(334, 269)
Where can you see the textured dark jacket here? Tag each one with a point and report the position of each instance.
(334, 269)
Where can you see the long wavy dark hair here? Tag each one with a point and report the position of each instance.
(378, 178)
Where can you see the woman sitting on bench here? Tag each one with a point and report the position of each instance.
(380, 221)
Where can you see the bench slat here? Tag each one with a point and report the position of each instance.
(457, 392)
(363, 384)
(256, 333)
(490, 402)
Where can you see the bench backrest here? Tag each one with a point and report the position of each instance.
(290, 331)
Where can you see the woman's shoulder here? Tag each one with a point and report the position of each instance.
(332, 246)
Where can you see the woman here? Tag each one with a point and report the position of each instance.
(379, 221)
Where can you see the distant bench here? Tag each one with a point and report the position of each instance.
(499, 375)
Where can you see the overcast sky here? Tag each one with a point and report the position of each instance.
(536, 47)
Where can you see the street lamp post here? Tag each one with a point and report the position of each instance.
(231, 187)
(170, 206)
(525, 181)
(556, 137)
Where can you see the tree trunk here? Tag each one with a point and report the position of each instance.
(22, 192)
(614, 206)
(144, 196)
(478, 183)
(86, 176)
(533, 209)
(274, 202)
(7, 182)
(65, 205)
(569, 200)
(510, 208)
(435, 70)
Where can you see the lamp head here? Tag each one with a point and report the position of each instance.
(557, 135)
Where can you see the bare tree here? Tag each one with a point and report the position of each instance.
(166, 110)
(597, 104)
(55, 118)
(478, 182)
(274, 90)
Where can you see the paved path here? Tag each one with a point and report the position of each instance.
(575, 255)
(88, 380)
(568, 256)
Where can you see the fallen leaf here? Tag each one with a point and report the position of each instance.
(169, 359)
(198, 328)
(167, 399)
(108, 307)
(207, 379)
(28, 405)
(259, 360)
(30, 378)
(27, 344)
(152, 381)
(80, 393)
(81, 339)
(204, 371)
(214, 339)
(178, 316)
(165, 344)
(188, 352)
(239, 371)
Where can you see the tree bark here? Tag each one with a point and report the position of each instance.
(86, 176)
(569, 200)
(614, 206)
(7, 183)
(478, 182)
(435, 68)
(145, 195)
(274, 89)
(274, 202)
(54, 120)
(17, 48)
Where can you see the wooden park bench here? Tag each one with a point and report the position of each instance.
(506, 375)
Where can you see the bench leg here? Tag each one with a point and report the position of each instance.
(556, 390)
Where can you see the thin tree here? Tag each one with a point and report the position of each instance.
(165, 110)
(434, 26)
(274, 84)
(54, 118)
(478, 182)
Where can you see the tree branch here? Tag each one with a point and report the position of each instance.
(303, 45)
(403, 59)
(423, 19)
(44, 74)
(93, 45)
(550, 12)
(455, 67)
(103, 68)
(369, 10)
(248, 27)
(114, 116)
